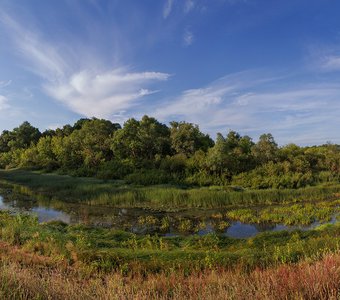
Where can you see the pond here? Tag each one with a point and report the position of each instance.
(138, 220)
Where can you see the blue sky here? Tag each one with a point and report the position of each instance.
(253, 66)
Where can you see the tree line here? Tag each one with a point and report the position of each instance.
(148, 152)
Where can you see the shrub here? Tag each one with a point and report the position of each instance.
(148, 177)
(114, 170)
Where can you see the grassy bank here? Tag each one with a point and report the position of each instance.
(317, 280)
(119, 194)
(106, 250)
(306, 269)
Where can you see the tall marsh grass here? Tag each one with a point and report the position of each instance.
(116, 193)
(305, 280)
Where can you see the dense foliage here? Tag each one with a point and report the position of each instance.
(148, 152)
(57, 261)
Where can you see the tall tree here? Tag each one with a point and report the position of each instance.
(216, 159)
(266, 149)
(23, 136)
(140, 140)
(186, 138)
(5, 138)
(94, 140)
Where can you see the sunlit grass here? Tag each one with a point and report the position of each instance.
(107, 249)
(56, 261)
(118, 194)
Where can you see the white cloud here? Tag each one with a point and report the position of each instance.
(323, 58)
(253, 104)
(5, 83)
(44, 59)
(3, 102)
(103, 94)
(189, 5)
(188, 38)
(54, 126)
(331, 63)
(167, 8)
(86, 91)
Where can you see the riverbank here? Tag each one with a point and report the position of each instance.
(25, 276)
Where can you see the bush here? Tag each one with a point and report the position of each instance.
(114, 170)
(148, 177)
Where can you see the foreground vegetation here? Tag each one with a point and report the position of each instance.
(106, 249)
(60, 261)
(26, 276)
(54, 260)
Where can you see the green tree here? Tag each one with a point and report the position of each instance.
(23, 136)
(67, 152)
(216, 160)
(46, 157)
(93, 140)
(186, 138)
(141, 140)
(265, 149)
(5, 138)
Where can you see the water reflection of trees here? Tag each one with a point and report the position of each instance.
(265, 226)
(186, 222)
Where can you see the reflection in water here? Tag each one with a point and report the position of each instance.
(48, 209)
(209, 228)
(241, 230)
(47, 214)
(2, 204)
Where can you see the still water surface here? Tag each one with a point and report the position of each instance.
(127, 218)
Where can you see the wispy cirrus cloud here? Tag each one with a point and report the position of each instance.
(252, 103)
(167, 8)
(331, 63)
(5, 83)
(86, 90)
(3, 102)
(188, 37)
(43, 58)
(323, 57)
(189, 6)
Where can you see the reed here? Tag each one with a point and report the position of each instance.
(118, 194)
(43, 280)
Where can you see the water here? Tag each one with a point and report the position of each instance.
(47, 214)
(129, 218)
(2, 204)
(241, 230)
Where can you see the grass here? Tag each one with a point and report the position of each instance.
(59, 261)
(118, 194)
(104, 249)
(296, 214)
(26, 276)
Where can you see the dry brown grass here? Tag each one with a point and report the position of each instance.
(30, 276)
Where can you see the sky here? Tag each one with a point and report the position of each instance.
(252, 66)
